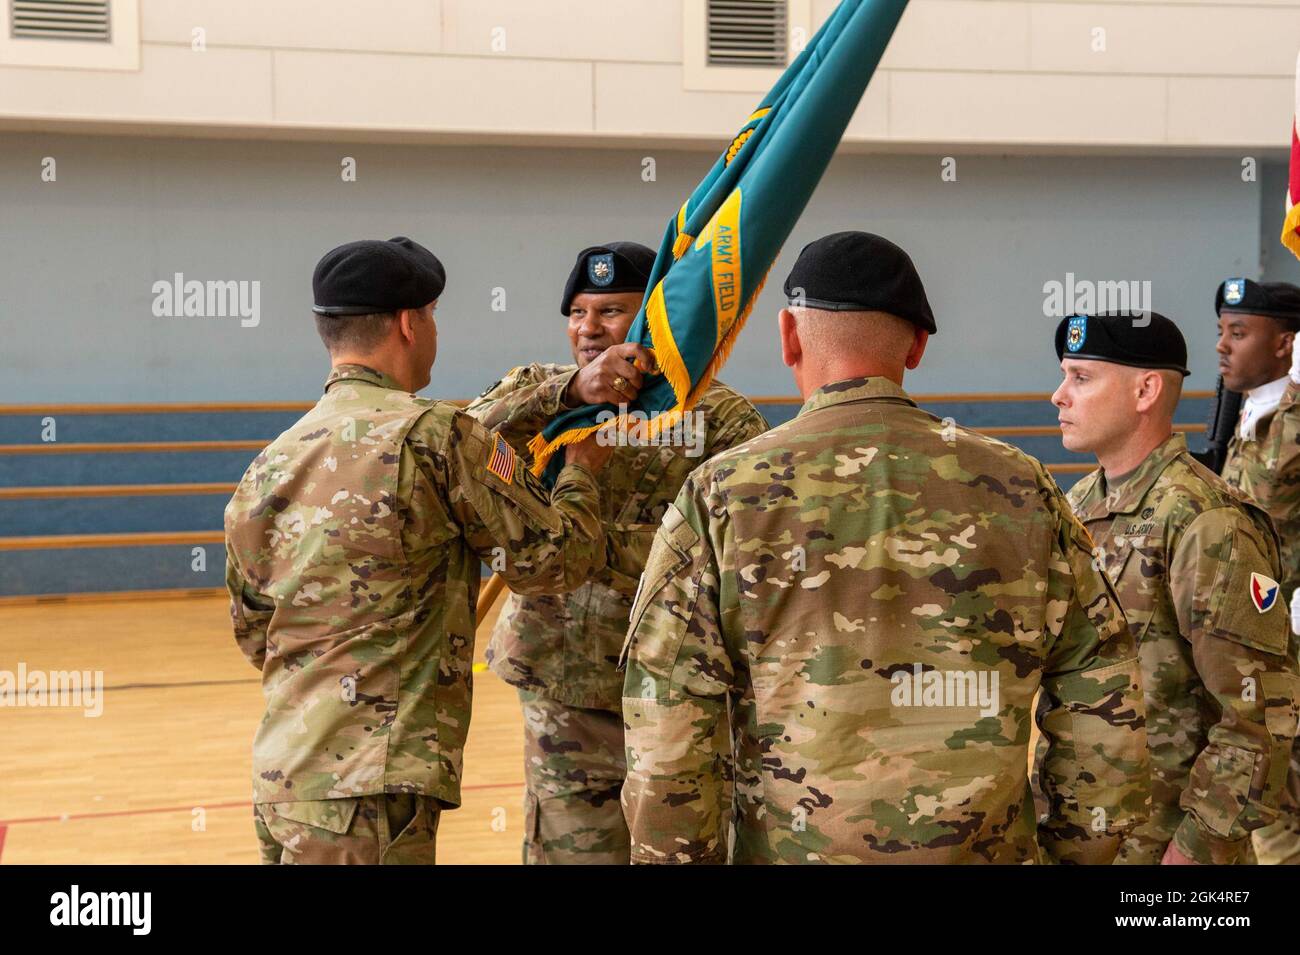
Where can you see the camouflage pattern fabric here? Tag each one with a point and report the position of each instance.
(1267, 470)
(1181, 547)
(573, 769)
(870, 599)
(353, 548)
(1279, 844)
(562, 651)
(392, 829)
(566, 647)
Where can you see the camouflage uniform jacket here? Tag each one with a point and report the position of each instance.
(1267, 470)
(842, 589)
(566, 647)
(353, 548)
(1183, 550)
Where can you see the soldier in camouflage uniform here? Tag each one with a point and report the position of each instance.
(353, 559)
(561, 651)
(863, 602)
(1195, 565)
(1258, 322)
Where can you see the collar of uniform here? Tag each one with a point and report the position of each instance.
(1259, 404)
(361, 373)
(854, 389)
(1126, 498)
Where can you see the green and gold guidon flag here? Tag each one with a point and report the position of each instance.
(719, 247)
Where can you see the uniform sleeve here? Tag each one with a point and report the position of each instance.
(740, 421)
(1241, 656)
(629, 544)
(542, 543)
(1096, 773)
(1278, 492)
(522, 403)
(675, 697)
(627, 547)
(250, 614)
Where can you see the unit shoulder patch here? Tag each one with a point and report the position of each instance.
(1263, 592)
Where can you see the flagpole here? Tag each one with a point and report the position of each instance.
(487, 596)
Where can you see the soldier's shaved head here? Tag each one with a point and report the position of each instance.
(875, 335)
(822, 346)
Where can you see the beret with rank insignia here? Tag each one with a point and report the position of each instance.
(1279, 300)
(1147, 340)
(612, 267)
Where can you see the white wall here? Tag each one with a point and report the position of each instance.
(79, 256)
(1205, 74)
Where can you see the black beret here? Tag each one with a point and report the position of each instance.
(1141, 340)
(1280, 300)
(361, 278)
(612, 267)
(859, 272)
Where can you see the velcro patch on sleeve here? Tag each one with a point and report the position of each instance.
(501, 459)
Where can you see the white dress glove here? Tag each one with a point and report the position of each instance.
(1295, 360)
(1295, 612)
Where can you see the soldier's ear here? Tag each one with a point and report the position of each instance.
(1285, 344)
(1150, 386)
(791, 347)
(406, 319)
(918, 348)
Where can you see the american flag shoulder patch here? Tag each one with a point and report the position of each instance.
(501, 460)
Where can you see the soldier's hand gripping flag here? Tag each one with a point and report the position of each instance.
(717, 250)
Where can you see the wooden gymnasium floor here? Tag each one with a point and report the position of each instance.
(179, 710)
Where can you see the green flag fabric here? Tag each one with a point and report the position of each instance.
(718, 249)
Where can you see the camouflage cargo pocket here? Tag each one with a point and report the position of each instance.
(412, 829)
(332, 815)
(1219, 787)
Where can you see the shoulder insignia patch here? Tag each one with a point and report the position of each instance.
(501, 460)
(1263, 592)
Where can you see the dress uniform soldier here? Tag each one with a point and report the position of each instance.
(353, 558)
(870, 598)
(1258, 322)
(1196, 566)
(561, 651)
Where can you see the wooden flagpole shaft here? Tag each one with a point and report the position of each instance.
(487, 596)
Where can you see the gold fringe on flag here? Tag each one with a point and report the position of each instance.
(672, 368)
(1289, 226)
